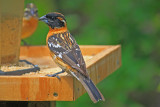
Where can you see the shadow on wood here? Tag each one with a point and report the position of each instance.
(27, 104)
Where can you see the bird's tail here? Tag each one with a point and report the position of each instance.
(91, 89)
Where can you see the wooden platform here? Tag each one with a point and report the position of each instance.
(105, 60)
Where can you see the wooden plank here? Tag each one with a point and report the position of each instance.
(34, 51)
(40, 55)
(92, 49)
(19, 88)
(41, 51)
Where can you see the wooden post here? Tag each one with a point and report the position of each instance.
(0, 34)
(11, 12)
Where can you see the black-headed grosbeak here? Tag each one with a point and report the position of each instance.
(67, 54)
(30, 21)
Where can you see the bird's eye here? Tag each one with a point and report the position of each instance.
(50, 17)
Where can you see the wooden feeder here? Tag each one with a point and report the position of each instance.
(104, 61)
(11, 14)
(36, 86)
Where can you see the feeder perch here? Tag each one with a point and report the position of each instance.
(105, 60)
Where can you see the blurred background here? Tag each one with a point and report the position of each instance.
(135, 24)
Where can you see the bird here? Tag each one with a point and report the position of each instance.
(66, 53)
(30, 21)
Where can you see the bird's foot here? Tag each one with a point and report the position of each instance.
(56, 74)
(53, 75)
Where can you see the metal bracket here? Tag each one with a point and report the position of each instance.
(22, 71)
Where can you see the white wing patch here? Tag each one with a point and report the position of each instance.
(77, 49)
(49, 44)
(60, 55)
(78, 65)
(53, 45)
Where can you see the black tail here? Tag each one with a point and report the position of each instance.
(92, 90)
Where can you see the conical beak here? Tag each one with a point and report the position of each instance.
(44, 19)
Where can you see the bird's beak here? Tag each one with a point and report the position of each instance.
(32, 11)
(44, 19)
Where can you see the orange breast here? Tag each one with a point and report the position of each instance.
(55, 31)
(59, 62)
(29, 27)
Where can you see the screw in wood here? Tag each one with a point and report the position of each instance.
(55, 94)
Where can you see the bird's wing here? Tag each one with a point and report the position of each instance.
(65, 47)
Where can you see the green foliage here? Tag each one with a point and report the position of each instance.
(133, 24)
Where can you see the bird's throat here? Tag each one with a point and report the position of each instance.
(56, 31)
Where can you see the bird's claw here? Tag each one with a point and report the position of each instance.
(56, 74)
(53, 75)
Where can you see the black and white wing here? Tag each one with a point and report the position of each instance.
(65, 47)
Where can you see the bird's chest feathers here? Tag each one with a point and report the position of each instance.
(29, 26)
(31, 23)
(56, 31)
(59, 61)
(63, 39)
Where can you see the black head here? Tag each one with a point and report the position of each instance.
(54, 20)
(30, 11)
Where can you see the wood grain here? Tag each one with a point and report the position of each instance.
(106, 60)
(11, 23)
(16, 88)
(41, 51)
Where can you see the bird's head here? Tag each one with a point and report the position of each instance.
(30, 11)
(54, 20)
